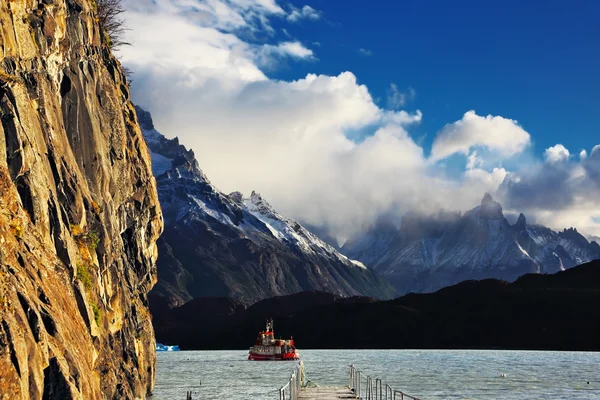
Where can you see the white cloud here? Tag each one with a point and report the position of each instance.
(365, 52)
(494, 133)
(488, 180)
(583, 155)
(474, 161)
(293, 49)
(169, 42)
(269, 56)
(556, 153)
(288, 139)
(397, 99)
(229, 15)
(306, 12)
(285, 139)
(561, 192)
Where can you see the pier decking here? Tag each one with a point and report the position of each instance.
(360, 386)
(326, 393)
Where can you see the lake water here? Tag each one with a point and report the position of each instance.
(428, 374)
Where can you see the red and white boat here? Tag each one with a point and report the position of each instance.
(267, 348)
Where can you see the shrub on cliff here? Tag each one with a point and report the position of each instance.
(110, 20)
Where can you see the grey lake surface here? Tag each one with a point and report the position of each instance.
(427, 374)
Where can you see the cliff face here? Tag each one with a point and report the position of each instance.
(79, 213)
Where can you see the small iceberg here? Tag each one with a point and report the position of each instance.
(162, 347)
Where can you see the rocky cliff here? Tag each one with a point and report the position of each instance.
(79, 213)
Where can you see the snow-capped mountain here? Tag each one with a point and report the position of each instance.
(216, 244)
(429, 252)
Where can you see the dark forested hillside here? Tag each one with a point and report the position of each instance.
(558, 311)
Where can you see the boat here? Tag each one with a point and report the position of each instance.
(267, 348)
(162, 347)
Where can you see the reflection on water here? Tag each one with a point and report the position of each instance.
(429, 374)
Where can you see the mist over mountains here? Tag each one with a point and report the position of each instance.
(429, 252)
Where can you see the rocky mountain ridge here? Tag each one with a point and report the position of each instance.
(230, 245)
(429, 252)
(79, 212)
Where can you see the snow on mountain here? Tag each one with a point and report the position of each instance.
(430, 252)
(231, 245)
(160, 163)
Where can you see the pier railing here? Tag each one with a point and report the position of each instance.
(367, 388)
(291, 389)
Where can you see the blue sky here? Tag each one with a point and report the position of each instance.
(536, 62)
(340, 112)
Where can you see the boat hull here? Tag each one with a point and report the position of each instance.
(273, 357)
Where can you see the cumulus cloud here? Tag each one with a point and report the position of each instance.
(494, 133)
(561, 192)
(306, 12)
(289, 139)
(482, 178)
(397, 99)
(365, 52)
(293, 49)
(556, 153)
(268, 56)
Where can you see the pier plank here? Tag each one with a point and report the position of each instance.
(326, 393)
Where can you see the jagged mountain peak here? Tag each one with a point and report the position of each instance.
(257, 203)
(428, 254)
(489, 209)
(487, 199)
(145, 119)
(169, 157)
(257, 199)
(237, 197)
(521, 223)
(241, 245)
(573, 235)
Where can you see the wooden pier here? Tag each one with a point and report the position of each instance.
(360, 386)
(326, 393)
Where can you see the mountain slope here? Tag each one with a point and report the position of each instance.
(228, 245)
(428, 253)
